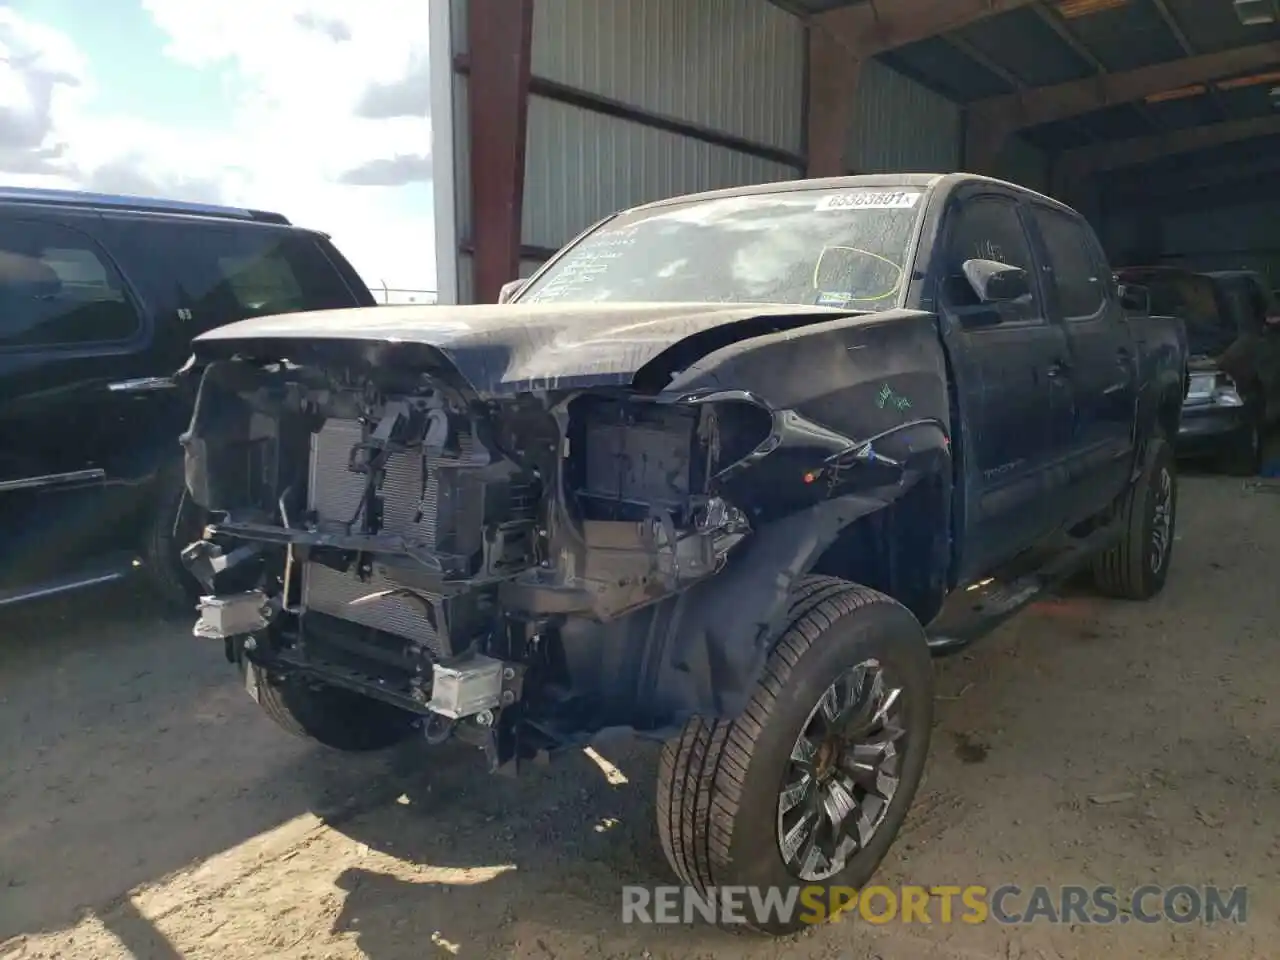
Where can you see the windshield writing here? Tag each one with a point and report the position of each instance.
(840, 248)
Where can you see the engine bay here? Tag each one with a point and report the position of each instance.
(417, 545)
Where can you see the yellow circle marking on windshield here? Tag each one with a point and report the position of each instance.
(892, 291)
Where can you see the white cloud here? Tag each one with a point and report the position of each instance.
(301, 139)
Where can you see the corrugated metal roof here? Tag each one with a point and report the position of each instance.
(1128, 37)
(1026, 46)
(942, 67)
(1213, 25)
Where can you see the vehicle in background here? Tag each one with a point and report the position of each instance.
(706, 476)
(1233, 393)
(100, 297)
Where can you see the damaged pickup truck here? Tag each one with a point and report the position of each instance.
(710, 476)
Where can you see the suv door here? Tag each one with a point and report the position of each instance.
(1009, 362)
(69, 329)
(1103, 364)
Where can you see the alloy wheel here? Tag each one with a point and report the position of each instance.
(842, 773)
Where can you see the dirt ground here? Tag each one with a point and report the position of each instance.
(148, 811)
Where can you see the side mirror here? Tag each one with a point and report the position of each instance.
(1134, 298)
(509, 290)
(996, 282)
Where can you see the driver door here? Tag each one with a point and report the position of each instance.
(1010, 370)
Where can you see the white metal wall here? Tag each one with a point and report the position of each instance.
(901, 126)
(734, 67)
(1024, 163)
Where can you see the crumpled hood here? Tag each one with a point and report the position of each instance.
(508, 348)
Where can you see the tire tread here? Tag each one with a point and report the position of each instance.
(702, 771)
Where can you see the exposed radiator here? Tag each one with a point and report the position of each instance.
(409, 502)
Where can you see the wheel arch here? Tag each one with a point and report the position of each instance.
(726, 627)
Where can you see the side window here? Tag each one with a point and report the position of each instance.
(1079, 284)
(58, 290)
(221, 273)
(988, 228)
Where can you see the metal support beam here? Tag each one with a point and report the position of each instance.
(833, 84)
(500, 41)
(854, 34)
(1074, 165)
(866, 29)
(1056, 23)
(1046, 104)
(1129, 191)
(1188, 48)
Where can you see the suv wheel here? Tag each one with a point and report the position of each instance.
(810, 785)
(167, 536)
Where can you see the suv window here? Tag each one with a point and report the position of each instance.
(223, 273)
(57, 289)
(989, 228)
(1078, 282)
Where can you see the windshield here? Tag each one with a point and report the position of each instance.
(840, 248)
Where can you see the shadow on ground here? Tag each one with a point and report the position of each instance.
(130, 751)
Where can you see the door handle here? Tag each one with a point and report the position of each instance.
(1124, 355)
(1057, 370)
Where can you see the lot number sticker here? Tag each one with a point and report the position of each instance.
(869, 200)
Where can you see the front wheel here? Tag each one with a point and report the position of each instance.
(337, 718)
(810, 784)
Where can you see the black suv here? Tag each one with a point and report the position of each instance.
(100, 297)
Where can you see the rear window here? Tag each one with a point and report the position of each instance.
(219, 273)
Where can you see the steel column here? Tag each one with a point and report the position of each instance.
(500, 42)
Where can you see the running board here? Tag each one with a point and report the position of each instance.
(972, 613)
(107, 570)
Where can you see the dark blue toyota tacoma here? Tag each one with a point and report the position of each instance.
(725, 472)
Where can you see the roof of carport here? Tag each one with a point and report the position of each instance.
(1047, 43)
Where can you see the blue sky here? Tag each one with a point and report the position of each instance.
(316, 108)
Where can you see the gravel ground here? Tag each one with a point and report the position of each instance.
(148, 811)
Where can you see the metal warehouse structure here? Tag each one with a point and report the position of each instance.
(1157, 118)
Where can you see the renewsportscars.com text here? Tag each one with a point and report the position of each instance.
(973, 904)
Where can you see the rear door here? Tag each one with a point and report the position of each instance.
(70, 328)
(1010, 363)
(1103, 361)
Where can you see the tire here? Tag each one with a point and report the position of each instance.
(1243, 454)
(719, 783)
(337, 718)
(162, 547)
(1132, 570)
